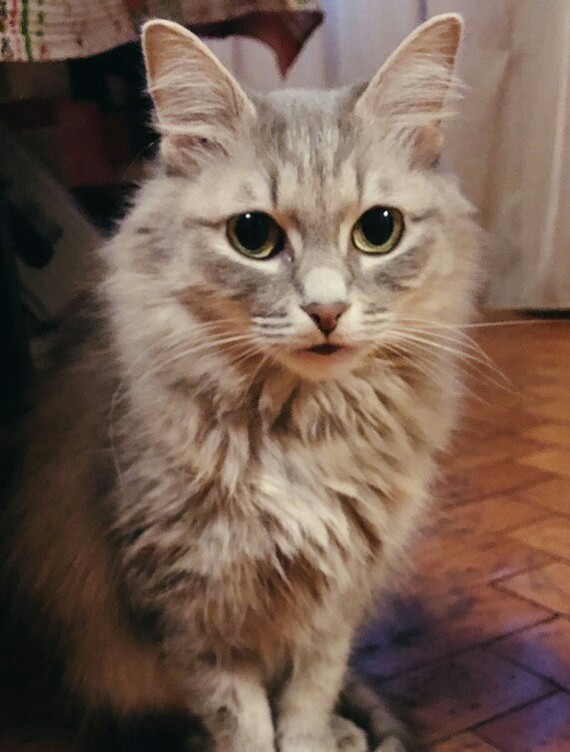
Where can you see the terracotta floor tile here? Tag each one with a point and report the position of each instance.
(492, 448)
(550, 460)
(421, 630)
(547, 586)
(551, 535)
(485, 429)
(550, 370)
(443, 565)
(456, 693)
(454, 489)
(464, 743)
(550, 433)
(549, 392)
(555, 410)
(554, 494)
(501, 421)
(492, 515)
(544, 648)
(497, 478)
(542, 727)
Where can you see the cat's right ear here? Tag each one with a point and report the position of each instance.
(200, 107)
(416, 90)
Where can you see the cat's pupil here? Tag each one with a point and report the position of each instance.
(252, 230)
(377, 225)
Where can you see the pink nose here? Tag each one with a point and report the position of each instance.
(326, 316)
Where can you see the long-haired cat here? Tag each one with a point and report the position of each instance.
(222, 477)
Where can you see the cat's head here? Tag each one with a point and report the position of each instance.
(312, 225)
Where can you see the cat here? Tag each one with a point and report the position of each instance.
(222, 477)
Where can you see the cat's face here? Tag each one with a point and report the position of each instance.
(321, 238)
(306, 227)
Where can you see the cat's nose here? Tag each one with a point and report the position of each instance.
(325, 316)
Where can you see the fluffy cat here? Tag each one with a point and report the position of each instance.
(223, 476)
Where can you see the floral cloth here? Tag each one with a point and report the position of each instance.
(61, 29)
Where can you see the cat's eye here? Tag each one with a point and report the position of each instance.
(378, 230)
(255, 234)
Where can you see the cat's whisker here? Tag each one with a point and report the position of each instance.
(514, 322)
(427, 344)
(266, 357)
(269, 329)
(424, 365)
(473, 347)
(443, 342)
(221, 345)
(437, 349)
(111, 432)
(464, 343)
(202, 347)
(471, 366)
(274, 337)
(205, 331)
(449, 328)
(251, 353)
(245, 354)
(255, 318)
(493, 324)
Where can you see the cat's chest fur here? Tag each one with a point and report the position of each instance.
(260, 525)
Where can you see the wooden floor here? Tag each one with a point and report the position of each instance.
(477, 651)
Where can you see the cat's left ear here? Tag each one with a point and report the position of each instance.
(200, 107)
(415, 89)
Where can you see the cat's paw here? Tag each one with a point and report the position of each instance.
(303, 742)
(393, 744)
(348, 737)
(344, 736)
(398, 743)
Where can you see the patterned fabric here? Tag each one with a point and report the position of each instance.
(61, 29)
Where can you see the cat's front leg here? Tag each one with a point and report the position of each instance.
(234, 708)
(388, 734)
(306, 705)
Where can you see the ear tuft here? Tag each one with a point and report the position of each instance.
(416, 89)
(199, 105)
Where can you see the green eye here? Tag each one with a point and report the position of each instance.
(378, 230)
(255, 234)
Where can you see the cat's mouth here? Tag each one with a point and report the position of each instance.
(322, 361)
(324, 349)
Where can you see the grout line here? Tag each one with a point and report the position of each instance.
(497, 581)
(531, 602)
(515, 709)
(486, 642)
(476, 726)
(566, 515)
(530, 670)
(547, 620)
(483, 496)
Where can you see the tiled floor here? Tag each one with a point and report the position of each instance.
(478, 647)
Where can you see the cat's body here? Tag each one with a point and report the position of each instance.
(209, 506)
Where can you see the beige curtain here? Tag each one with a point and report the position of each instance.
(512, 145)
